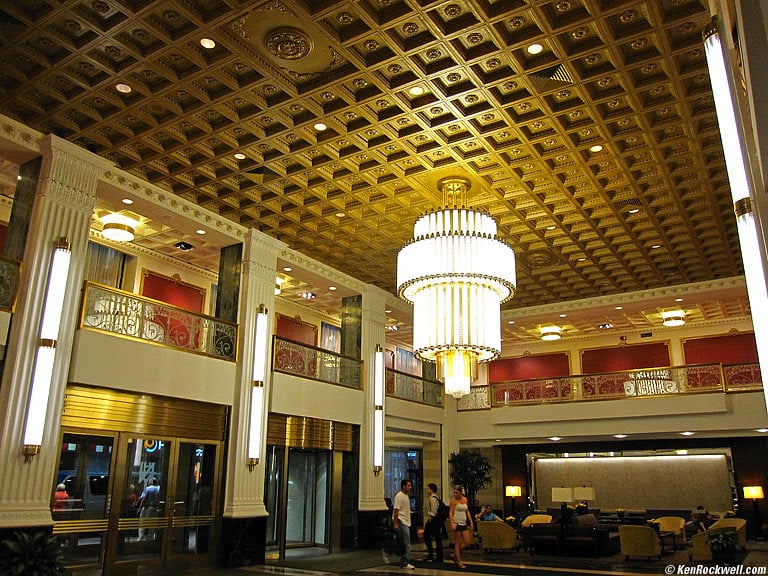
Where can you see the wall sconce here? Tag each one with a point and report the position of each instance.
(738, 177)
(257, 389)
(378, 409)
(46, 349)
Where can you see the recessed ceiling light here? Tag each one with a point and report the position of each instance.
(681, 452)
(510, 321)
(762, 430)
(207, 43)
(340, 214)
(563, 315)
(308, 295)
(596, 148)
(619, 436)
(240, 156)
(287, 269)
(127, 201)
(655, 246)
(687, 433)
(555, 438)
(605, 326)
(678, 299)
(320, 126)
(619, 308)
(551, 227)
(498, 440)
(535, 49)
(387, 311)
(200, 231)
(416, 90)
(124, 88)
(634, 210)
(392, 327)
(332, 288)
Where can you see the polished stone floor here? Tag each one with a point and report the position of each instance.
(309, 562)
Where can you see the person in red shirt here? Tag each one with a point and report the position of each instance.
(60, 498)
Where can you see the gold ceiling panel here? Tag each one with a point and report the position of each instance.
(410, 91)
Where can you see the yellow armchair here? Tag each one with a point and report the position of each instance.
(497, 536)
(700, 548)
(674, 524)
(639, 541)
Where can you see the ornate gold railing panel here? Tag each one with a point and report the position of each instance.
(128, 315)
(693, 379)
(414, 388)
(291, 357)
(9, 282)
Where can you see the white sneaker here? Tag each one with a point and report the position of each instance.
(384, 556)
(408, 567)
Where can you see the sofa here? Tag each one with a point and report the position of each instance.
(547, 538)
(498, 536)
(584, 534)
(639, 540)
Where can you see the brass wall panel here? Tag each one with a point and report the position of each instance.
(310, 433)
(101, 409)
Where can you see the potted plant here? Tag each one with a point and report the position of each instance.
(31, 554)
(723, 544)
(472, 470)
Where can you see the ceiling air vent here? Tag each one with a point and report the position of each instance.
(551, 78)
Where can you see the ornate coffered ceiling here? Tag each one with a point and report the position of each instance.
(599, 156)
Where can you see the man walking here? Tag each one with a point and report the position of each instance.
(433, 529)
(401, 522)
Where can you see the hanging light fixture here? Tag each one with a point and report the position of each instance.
(672, 318)
(456, 273)
(550, 333)
(118, 228)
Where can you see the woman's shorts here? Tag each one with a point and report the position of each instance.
(462, 528)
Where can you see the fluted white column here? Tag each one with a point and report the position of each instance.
(371, 495)
(244, 496)
(63, 206)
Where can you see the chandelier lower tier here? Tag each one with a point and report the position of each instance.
(456, 273)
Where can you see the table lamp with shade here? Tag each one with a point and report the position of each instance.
(583, 495)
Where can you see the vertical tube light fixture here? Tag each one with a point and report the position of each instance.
(378, 410)
(258, 376)
(726, 110)
(46, 349)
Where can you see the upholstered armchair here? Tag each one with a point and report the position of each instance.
(674, 524)
(738, 524)
(498, 536)
(639, 541)
(526, 527)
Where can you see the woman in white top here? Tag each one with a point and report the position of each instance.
(461, 524)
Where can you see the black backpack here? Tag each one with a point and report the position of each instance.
(442, 510)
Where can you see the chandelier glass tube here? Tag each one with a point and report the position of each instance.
(457, 274)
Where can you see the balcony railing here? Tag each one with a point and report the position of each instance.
(291, 357)
(414, 388)
(127, 315)
(692, 379)
(9, 282)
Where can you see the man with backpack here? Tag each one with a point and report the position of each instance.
(437, 513)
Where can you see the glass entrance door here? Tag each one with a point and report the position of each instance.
(136, 505)
(297, 498)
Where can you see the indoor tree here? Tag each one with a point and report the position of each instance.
(470, 469)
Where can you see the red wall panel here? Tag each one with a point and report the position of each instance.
(599, 360)
(174, 292)
(727, 349)
(527, 367)
(296, 330)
